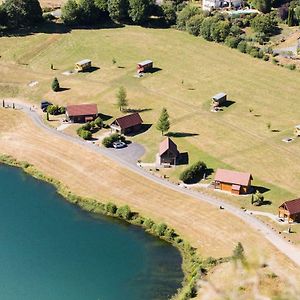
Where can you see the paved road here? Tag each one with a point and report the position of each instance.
(274, 238)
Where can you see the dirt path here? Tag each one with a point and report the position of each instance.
(292, 252)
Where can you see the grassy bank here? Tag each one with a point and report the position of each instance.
(194, 267)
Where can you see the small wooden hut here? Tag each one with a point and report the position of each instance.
(83, 65)
(219, 99)
(80, 113)
(144, 66)
(168, 153)
(128, 124)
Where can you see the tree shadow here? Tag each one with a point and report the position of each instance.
(63, 89)
(257, 115)
(121, 67)
(180, 134)
(104, 117)
(275, 130)
(137, 110)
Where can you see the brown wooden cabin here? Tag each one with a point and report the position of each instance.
(290, 210)
(80, 113)
(168, 153)
(128, 124)
(144, 66)
(232, 181)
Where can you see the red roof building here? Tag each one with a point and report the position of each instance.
(81, 112)
(127, 124)
(168, 152)
(233, 181)
(290, 210)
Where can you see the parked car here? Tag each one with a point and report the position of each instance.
(119, 144)
(45, 104)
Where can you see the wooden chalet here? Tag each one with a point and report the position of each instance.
(290, 210)
(233, 181)
(81, 113)
(219, 99)
(83, 65)
(168, 153)
(144, 66)
(128, 124)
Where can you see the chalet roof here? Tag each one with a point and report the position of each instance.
(219, 96)
(128, 121)
(293, 206)
(83, 62)
(81, 110)
(167, 144)
(145, 62)
(233, 177)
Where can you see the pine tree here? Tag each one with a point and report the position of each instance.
(55, 85)
(238, 252)
(163, 123)
(290, 20)
(121, 98)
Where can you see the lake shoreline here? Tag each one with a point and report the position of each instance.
(192, 264)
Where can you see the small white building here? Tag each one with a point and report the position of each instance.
(215, 4)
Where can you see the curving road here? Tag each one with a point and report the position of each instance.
(282, 245)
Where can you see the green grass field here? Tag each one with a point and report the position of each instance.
(192, 70)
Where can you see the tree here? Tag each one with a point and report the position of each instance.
(263, 5)
(290, 19)
(3, 16)
(121, 98)
(101, 5)
(232, 41)
(169, 12)
(265, 24)
(138, 10)
(71, 12)
(55, 85)
(206, 28)
(238, 252)
(22, 13)
(257, 199)
(297, 13)
(118, 9)
(242, 46)
(188, 12)
(193, 25)
(99, 122)
(163, 123)
(220, 30)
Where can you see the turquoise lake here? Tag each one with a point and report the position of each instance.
(50, 249)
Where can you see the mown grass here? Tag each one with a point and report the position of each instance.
(192, 70)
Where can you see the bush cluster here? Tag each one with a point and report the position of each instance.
(56, 110)
(86, 130)
(193, 173)
(109, 140)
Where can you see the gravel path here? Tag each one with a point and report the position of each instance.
(273, 237)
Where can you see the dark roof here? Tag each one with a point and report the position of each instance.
(219, 97)
(233, 177)
(82, 110)
(167, 144)
(129, 121)
(293, 206)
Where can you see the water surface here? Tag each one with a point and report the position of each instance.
(50, 249)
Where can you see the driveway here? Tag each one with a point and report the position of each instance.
(131, 154)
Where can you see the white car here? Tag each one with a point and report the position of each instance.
(119, 144)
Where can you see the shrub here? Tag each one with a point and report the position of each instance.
(220, 30)
(193, 25)
(291, 67)
(86, 126)
(160, 229)
(265, 24)
(111, 208)
(124, 212)
(85, 134)
(169, 12)
(194, 173)
(266, 57)
(274, 61)
(232, 41)
(109, 140)
(98, 122)
(254, 52)
(148, 223)
(242, 46)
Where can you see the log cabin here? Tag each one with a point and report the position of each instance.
(168, 153)
(290, 210)
(80, 113)
(128, 124)
(83, 65)
(232, 181)
(144, 66)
